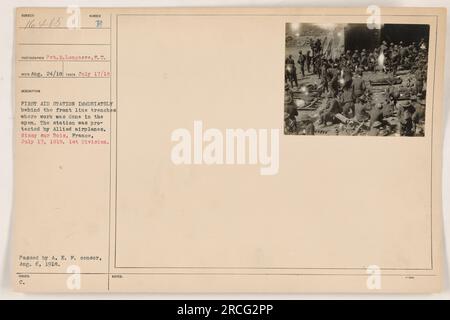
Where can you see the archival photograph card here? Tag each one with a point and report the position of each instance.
(152, 153)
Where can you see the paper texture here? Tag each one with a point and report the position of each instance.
(175, 150)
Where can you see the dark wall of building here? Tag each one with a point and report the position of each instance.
(404, 32)
(358, 36)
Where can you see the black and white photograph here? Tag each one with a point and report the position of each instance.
(355, 80)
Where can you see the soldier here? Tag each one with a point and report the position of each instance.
(348, 55)
(288, 96)
(333, 83)
(364, 63)
(355, 58)
(318, 46)
(291, 71)
(308, 59)
(395, 60)
(403, 53)
(383, 47)
(406, 124)
(311, 45)
(359, 84)
(347, 74)
(361, 110)
(316, 64)
(387, 109)
(406, 62)
(348, 98)
(371, 61)
(413, 51)
(301, 62)
(290, 112)
(309, 129)
(419, 77)
(376, 114)
(418, 116)
(391, 47)
(388, 57)
(376, 52)
(308, 123)
(331, 109)
(392, 95)
(324, 75)
(375, 129)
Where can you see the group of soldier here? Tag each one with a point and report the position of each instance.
(347, 94)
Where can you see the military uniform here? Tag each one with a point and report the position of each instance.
(419, 113)
(290, 123)
(309, 129)
(347, 99)
(393, 94)
(364, 61)
(387, 110)
(291, 71)
(307, 123)
(355, 58)
(324, 76)
(395, 61)
(371, 62)
(359, 86)
(375, 129)
(301, 62)
(308, 59)
(419, 81)
(331, 109)
(333, 83)
(361, 111)
(407, 126)
(376, 114)
(383, 48)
